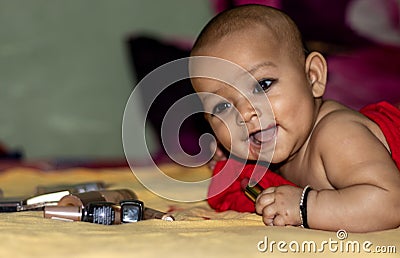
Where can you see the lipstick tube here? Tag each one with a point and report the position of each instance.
(252, 191)
(83, 199)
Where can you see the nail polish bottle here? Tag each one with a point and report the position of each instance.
(104, 213)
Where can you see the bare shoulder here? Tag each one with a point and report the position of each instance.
(339, 128)
(348, 143)
(334, 111)
(337, 119)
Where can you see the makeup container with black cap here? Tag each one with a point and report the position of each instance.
(105, 213)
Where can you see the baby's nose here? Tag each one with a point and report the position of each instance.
(246, 112)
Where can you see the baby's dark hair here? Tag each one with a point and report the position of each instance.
(280, 24)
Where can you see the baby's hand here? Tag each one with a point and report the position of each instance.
(280, 206)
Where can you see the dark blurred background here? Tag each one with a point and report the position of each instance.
(67, 67)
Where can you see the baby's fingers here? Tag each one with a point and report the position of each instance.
(269, 214)
(266, 198)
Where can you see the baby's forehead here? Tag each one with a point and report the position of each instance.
(257, 42)
(272, 24)
(252, 33)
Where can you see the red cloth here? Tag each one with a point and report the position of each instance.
(387, 117)
(232, 197)
(227, 177)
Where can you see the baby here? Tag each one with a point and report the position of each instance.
(346, 163)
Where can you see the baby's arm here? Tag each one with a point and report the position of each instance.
(367, 181)
(365, 194)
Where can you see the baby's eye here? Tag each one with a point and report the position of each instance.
(263, 85)
(221, 107)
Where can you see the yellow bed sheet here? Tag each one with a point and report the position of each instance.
(197, 232)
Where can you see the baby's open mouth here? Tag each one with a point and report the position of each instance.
(263, 136)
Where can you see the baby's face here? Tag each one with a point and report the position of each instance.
(249, 118)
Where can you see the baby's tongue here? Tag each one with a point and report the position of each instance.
(264, 135)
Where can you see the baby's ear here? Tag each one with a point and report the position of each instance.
(316, 70)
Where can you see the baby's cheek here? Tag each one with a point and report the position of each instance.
(224, 136)
(228, 134)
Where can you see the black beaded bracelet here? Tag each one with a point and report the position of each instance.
(303, 206)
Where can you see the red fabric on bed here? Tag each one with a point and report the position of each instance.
(387, 117)
(233, 197)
